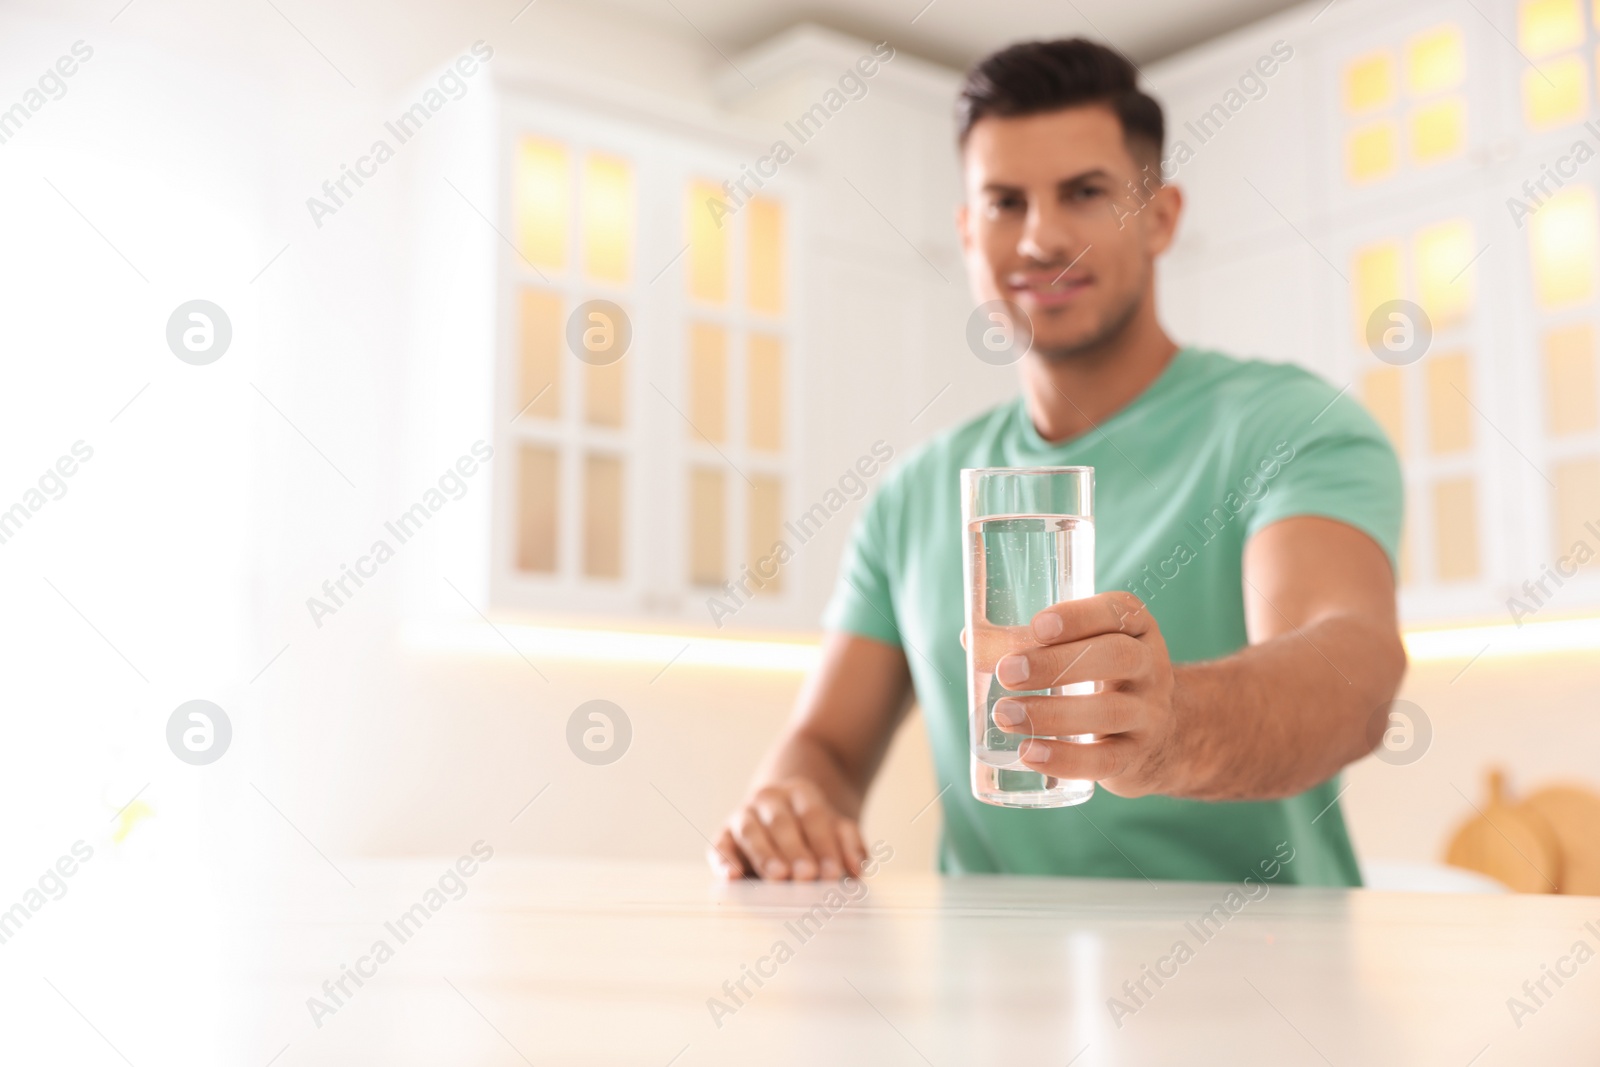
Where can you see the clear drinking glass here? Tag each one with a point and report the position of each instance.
(1029, 544)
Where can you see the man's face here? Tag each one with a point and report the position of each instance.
(1050, 225)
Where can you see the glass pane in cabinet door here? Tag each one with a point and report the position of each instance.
(1443, 256)
(539, 341)
(603, 490)
(538, 469)
(1548, 26)
(541, 200)
(1368, 83)
(1435, 61)
(764, 289)
(706, 222)
(764, 381)
(1370, 153)
(765, 531)
(1577, 508)
(1455, 529)
(708, 523)
(1570, 381)
(1450, 415)
(1555, 94)
(708, 382)
(608, 218)
(1561, 237)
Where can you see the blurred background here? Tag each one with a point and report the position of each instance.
(364, 499)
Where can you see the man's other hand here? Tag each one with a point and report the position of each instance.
(788, 830)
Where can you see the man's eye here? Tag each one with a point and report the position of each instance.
(1003, 204)
(1086, 192)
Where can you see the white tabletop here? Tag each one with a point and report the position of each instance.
(606, 963)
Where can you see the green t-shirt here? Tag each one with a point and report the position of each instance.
(1214, 450)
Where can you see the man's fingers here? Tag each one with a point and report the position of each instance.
(1114, 612)
(992, 642)
(820, 824)
(784, 830)
(1107, 658)
(764, 857)
(725, 857)
(1066, 759)
(855, 850)
(1109, 712)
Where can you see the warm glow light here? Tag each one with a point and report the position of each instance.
(708, 243)
(1498, 641)
(540, 201)
(1546, 26)
(1368, 83)
(608, 221)
(1562, 242)
(1438, 131)
(1436, 60)
(1443, 255)
(618, 646)
(1370, 152)
(798, 656)
(1556, 93)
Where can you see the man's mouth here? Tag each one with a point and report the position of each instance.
(1048, 288)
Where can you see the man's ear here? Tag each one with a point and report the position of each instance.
(1162, 214)
(963, 217)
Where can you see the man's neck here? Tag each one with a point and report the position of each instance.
(1068, 398)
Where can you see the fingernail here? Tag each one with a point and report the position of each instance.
(1009, 713)
(830, 869)
(1012, 670)
(1035, 752)
(804, 870)
(1047, 626)
(774, 868)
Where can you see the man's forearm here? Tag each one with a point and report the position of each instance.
(1278, 717)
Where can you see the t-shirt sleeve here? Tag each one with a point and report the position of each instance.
(1334, 461)
(862, 602)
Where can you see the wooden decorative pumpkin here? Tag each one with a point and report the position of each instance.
(1509, 843)
(1572, 814)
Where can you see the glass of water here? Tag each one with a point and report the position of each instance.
(1029, 534)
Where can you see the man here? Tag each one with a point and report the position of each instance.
(1247, 524)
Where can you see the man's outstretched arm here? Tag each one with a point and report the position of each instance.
(1279, 716)
(801, 817)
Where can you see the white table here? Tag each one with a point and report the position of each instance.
(606, 963)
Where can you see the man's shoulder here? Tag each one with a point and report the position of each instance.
(1248, 380)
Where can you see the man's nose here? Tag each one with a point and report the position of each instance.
(1046, 235)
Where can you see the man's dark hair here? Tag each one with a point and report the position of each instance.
(1039, 76)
